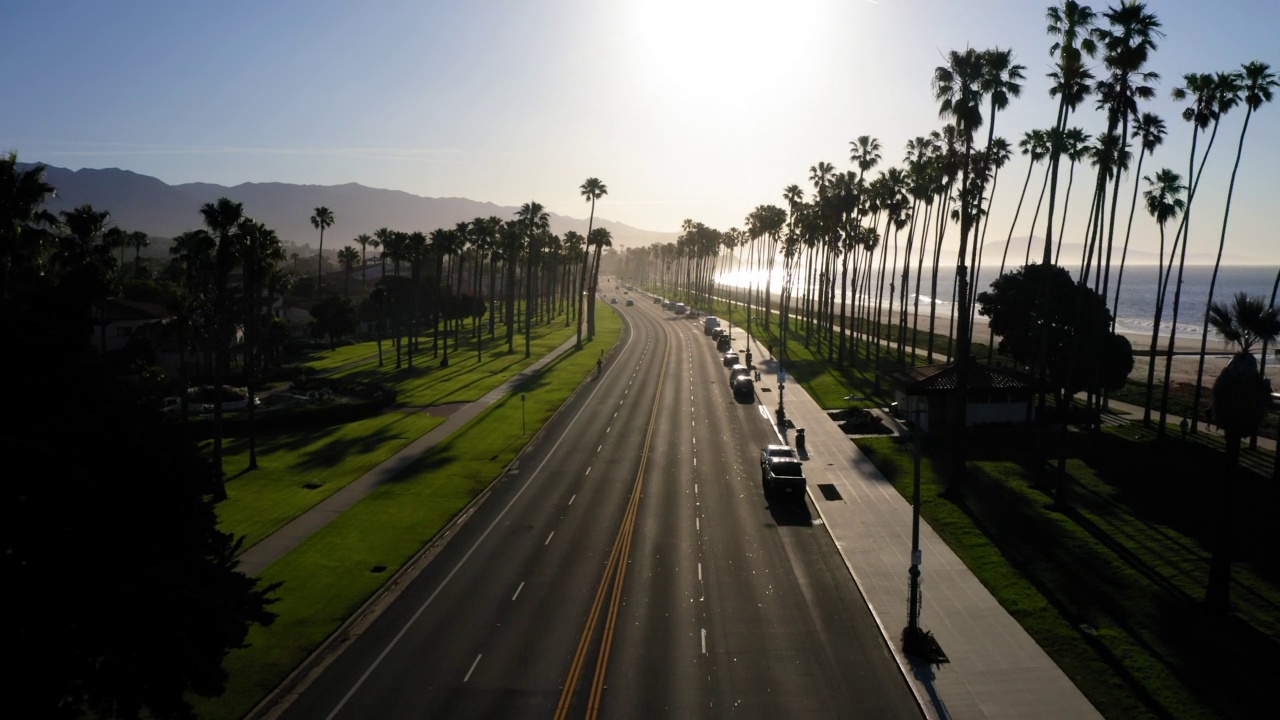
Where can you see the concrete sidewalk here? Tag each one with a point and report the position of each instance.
(276, 545)
(994, 668)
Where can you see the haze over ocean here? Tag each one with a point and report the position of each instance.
(1137, 294)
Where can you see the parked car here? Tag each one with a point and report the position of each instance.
(738, 371)
(724, 343)
(770, 452)
(744, 388)
(730, 358)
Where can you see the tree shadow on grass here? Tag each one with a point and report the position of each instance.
(1098, 595)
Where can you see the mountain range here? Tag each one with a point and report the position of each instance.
(141, 202)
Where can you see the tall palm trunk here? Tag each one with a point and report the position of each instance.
(1124, 251)
(1185, 231)
(1217, 262)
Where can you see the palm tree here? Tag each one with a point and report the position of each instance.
(1256, 83)
(22, 198)
(1075, 145)
(599, 239)
(1241, 400)
(347, 258)
(1164, 202)
(534, 224)
(380, 238)
(260, 254)
(364, 241)
(415, 250)
(1070, 24)
(1207, 106)
(85, 251)
(322, 218)
(221, 218)
(138, 240)
(591, 189)
(1149, 130)
(1127, 43)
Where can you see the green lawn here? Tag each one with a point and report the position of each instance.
(332, 573)
(298, 469)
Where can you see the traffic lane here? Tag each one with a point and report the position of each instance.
(422, 651)
(653, 670)
(780, 628)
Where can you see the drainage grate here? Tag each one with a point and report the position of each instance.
(829, 491)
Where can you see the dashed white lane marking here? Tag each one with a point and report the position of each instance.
(477, 660)
(704, 642)
(548, 540)
(697, 524)
(575, 497)
(513, 597)
(699, 578)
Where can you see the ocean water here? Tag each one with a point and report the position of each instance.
(1138, 289)
(1135, 311)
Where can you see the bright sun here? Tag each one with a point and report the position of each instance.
(713, 53)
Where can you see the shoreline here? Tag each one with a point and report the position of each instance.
(1186, 351)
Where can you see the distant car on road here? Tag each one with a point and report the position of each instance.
(614, 301)
(630, 302)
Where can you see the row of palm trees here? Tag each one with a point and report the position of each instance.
(941, 195)
(941, 198)
(226, 275)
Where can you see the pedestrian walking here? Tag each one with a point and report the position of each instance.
(1184, 425)
(1208, 417)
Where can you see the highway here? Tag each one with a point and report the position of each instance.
(629, 566)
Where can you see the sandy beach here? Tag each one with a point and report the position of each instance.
(1185, 359)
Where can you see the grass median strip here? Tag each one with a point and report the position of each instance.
(329, 575)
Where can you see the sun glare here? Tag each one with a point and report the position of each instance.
(714, 54)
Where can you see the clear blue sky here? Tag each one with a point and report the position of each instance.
(697, 109)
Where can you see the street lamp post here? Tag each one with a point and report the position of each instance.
(914, 640)
(522, 427)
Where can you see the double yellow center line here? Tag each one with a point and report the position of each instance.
(615, 572)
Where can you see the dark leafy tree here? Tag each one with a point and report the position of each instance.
(333, 317)
(1038, 297)
(155, 602)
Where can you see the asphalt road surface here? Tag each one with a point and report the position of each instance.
(630, 566)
